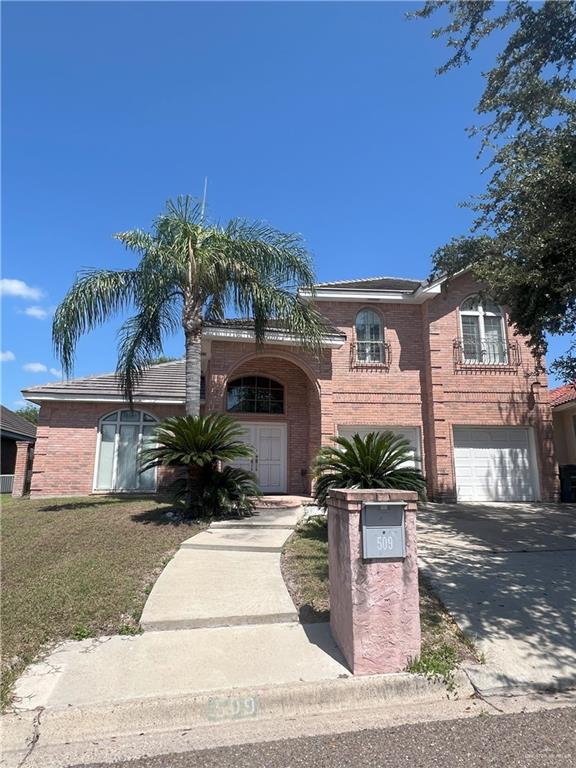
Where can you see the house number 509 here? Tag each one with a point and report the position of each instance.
(384, 543)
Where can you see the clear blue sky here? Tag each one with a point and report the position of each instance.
(325, 119)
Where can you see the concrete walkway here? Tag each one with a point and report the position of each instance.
(218, 618)
(227, 575)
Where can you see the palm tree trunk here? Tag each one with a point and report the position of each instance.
(193, 341)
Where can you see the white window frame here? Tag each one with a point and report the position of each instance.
(482, 313)
(365, 342)
(117, 422)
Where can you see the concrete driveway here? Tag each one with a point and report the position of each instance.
(507, 574)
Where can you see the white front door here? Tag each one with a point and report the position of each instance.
(494, 464)
(270, 459)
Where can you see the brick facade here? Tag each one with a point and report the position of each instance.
(422, 387)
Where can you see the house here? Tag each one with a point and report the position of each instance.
(563, 404)
(434, 361)
(15, 431)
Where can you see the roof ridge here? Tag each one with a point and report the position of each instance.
(367, 280)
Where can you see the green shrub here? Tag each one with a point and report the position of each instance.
(200, 445)
(379, 460)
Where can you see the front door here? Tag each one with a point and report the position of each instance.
(269, 462)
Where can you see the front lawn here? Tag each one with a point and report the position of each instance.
(73, 568)
(305, 571)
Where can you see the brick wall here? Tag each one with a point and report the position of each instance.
(66, 445)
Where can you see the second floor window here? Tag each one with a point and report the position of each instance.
(483, 336)
(369, 337)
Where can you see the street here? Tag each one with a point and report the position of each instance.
(544, 739)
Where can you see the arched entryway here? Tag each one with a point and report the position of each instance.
(279, 407)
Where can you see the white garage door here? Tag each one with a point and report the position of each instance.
(412, 434)
(493, 464)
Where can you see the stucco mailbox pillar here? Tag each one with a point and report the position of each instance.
(374, 605)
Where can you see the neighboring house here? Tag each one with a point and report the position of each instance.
(432, 361)
(563, 404)
(14, 430)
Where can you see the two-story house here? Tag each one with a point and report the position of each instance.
(434, 361)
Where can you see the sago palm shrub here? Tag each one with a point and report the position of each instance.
(379, 460)
(199, 446)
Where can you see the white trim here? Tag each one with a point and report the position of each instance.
(418, 296)
(272, 337)
(88, 398)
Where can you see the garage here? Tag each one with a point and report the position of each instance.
(412, 434)
(494, 464)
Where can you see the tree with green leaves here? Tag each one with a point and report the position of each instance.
(190, 271)
(29, 412)
(523, 241)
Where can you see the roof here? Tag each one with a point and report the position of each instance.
(160, 383)
(15, 425)
(563, 395)
(375, 284)
(274, 325)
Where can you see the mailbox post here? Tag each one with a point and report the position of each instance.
(374, 602)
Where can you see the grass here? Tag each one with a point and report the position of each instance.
(77, 568)
(305, 570)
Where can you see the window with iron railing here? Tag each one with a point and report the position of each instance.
(483, 337)
(369, 349)
(370, 354)
(472, 352)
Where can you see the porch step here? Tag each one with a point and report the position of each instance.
(265, 517)
(246, 539)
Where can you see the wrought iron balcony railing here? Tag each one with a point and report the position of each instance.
(370, 354)
(474, 353)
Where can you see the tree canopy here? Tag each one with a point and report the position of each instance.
(523, 241)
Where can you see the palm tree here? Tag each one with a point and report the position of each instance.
(190, 271)
(379, 460)
(200, 445)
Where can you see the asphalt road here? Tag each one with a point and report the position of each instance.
(537, 740)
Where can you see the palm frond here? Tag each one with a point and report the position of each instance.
(94, 298)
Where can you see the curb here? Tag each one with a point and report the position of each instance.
(53, 727)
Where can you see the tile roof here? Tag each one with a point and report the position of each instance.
(563, 395)
(163, 382)
(15, 424)
(375, 284)
(274, 325)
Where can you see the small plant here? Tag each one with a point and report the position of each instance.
(81, 632)
(436, 663)
(129, 629)
(379, 460)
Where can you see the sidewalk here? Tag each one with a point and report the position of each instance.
(221, 644)
(219, 617)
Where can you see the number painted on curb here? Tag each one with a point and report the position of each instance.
(232, 708)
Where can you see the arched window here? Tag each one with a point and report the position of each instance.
(483, 336)
(369, 337)
(121, 436)
(255, 394)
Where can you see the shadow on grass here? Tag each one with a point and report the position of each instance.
(103, 501)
